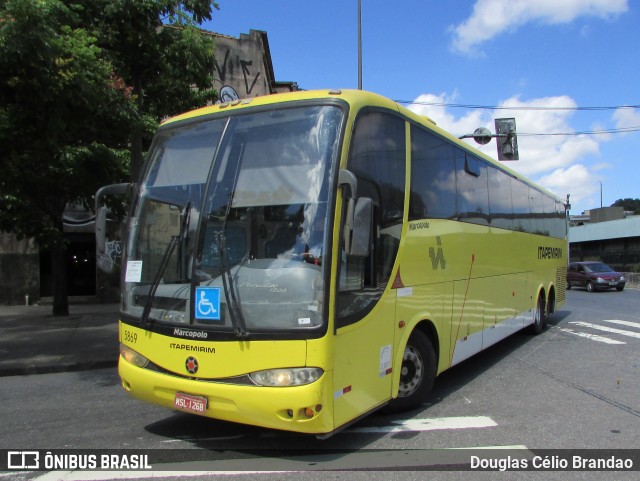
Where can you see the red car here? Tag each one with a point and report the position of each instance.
(594, 276)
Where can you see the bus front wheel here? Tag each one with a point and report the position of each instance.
(417, 374)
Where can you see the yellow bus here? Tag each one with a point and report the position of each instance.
(300, 260)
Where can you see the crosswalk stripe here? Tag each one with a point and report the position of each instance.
(623, 323)
(610, 330)
(433, 424)
(593, 337)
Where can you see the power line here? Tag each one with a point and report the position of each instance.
(586, 132)
(496, 107)
(523, 134)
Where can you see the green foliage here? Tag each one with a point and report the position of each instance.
(632, 205)
(83, 82)
(83, 85)
(157, 49)
(62, 121)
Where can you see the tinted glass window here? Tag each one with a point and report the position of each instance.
(377, 158)
(433, 177)
(500, 203)
(536, 207)
(473, 191)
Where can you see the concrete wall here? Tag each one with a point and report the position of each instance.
(19, 270)
(243, 67)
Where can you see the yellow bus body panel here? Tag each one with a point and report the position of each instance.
(270, 407)
(216, 359)
(363, 353)
(475, 284)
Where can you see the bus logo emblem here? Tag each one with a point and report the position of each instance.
(437, 259)
(191, 365)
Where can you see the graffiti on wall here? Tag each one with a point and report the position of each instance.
(238, 76)
(112, 251)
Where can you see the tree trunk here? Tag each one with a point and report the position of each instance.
(136, 156)
(59, 277)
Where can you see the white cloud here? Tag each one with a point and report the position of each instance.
(576, 180)
(433, 106)
(625, 118)
(557, 162)
(493, 17)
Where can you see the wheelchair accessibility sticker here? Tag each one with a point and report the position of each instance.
(208, 303)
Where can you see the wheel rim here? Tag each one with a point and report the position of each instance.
(411, 372)
(538, 314)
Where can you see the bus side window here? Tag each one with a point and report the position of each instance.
(473, 189)
(433, 177)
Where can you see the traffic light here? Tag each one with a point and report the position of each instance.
(506, 139)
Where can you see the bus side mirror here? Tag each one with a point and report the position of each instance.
(101, 226)
(358, 237)
(101, 210)
(358, 221)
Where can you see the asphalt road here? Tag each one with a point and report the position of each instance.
(575, 386)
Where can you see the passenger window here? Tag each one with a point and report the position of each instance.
(520, 199)
(433, 177)
(473, 191)
(500, 204)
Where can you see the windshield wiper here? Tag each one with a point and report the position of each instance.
(175, 240)
(235, 310)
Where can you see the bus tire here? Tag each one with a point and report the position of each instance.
(417, 374)
(539, 316)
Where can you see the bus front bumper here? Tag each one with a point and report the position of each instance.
(304, 409)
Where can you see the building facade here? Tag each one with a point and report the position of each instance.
(608, 235)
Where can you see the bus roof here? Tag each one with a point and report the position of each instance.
(356, 99)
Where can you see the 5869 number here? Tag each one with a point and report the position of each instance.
(130, 336)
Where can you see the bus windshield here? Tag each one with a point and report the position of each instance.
(231, 223)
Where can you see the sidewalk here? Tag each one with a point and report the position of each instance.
(32, 341)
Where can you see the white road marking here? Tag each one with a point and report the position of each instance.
(593, 337)
(623, 323)
(611, 330)
(434, 424)
(115, 475)
(358, 460)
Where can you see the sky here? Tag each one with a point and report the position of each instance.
(557, 66)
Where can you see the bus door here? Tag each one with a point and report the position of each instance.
(365, 312)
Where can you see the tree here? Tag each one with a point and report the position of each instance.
(631, 205)
(156, 47)
(83, 85)
(63, 124)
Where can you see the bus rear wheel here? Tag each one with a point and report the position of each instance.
(539, 316)
(417, 374)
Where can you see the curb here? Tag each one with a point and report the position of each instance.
(15, 370)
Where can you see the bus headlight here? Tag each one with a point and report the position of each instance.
(133, 357)
(297, 376)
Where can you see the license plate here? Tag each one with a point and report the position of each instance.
(613, 283)
(189, 403)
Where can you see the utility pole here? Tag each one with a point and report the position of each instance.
(601, 194)
(359, 44)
